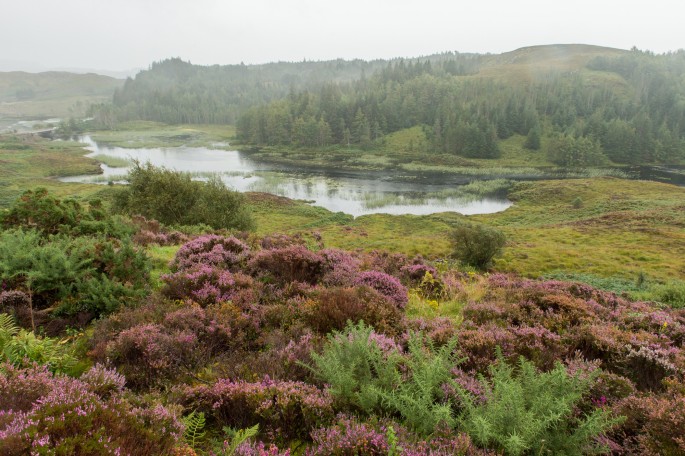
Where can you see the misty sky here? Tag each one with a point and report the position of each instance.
(124, 34)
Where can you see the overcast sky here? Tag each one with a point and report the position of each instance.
(124, 34)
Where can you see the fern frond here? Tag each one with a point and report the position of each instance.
(239, 437)
(195, 424)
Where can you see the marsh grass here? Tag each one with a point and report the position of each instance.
(113, 161)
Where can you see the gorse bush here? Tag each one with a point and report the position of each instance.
(173, 198)
(531, 412)
(476, 245)
(358, 365)
(84, 274)
(366, 371)
(420, 397)
(40, 211)
(74, 263)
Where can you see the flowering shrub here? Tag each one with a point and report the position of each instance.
(350, 437)
(66, 416)
(334, 307)
(414, 273)
(390, 263)
(386, 285)
(103, 381)
(12, 300)
(654, 424)
(288, 264)
(340, 267)
(205, 284)
(212, 250)
(147, 354)
(285, 410)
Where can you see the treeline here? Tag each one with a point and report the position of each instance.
(630, 109)
(173, 91)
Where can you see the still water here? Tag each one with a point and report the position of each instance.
(356, 193)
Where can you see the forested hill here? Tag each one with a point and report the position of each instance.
(174, 91)
(588, 104)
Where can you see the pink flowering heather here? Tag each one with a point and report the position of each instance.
(103, 381)
(386, 285)
(65, 416)
(211, 250)
(258, 449)
(204, 284)
(148, 354)
(414, 273)
(340, 267)
(350, 437)
(288, 264)
(283, 409)
(12, 299)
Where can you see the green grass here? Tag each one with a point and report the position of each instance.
(113, 161)
(161, 256)
(624, 228)
(33, 162)
(153, 135)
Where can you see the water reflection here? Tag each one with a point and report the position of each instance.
(355, 193)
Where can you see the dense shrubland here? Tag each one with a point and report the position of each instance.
(327, 351)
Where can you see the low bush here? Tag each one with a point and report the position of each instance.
(476, 245)
(211, 250)
(333, 308)
(48, 414)
(367, 372)
(284, 410)
(288, 264)
(92, 275)
(173, 198)
(357, 365)
(385, 284)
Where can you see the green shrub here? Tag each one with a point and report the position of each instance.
(529, 412)
(672, 294)
(366, 371)
(173, 198)
(476, 245)
(84, 274)
(420, 399)
(358, 365)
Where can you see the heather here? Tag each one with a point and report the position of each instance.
(329, 351)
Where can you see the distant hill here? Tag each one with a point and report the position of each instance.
(52, 94)
(51, 85)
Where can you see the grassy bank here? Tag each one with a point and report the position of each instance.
(153, 134)
(31, 162)
(605, 228)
